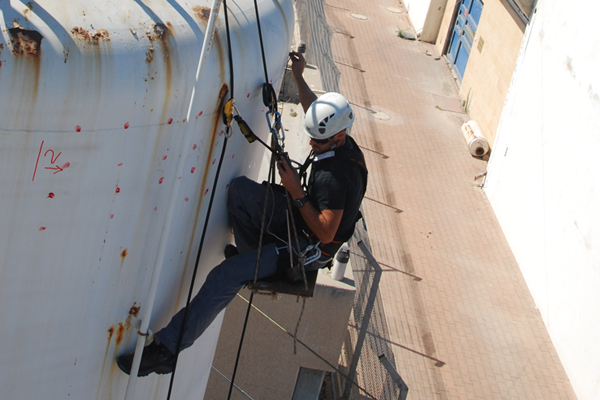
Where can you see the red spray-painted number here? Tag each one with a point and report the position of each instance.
(53, 161)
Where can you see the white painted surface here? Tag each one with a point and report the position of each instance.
(417, 11)
(543, 181)
(89, 136)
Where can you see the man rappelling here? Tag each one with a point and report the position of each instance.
(324, 212)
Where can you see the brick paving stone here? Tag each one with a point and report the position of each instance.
(471, 309)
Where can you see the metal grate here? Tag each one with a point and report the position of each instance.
(367, 338)
(319, 40)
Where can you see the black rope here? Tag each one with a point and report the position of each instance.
(208, 212)
(262, 47)
(272, 174)
(229, 48)
(260, 239)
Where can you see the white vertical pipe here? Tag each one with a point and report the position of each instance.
(186, 144)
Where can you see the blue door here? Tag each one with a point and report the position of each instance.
(463, 34)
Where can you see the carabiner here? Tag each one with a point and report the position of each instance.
(310, 259)
(276, 128)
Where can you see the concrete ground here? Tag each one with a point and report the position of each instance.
(460, 320)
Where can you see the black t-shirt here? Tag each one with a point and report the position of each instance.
(336, 183)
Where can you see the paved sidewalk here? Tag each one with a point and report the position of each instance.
(460, 318)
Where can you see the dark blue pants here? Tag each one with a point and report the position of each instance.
(245, 205)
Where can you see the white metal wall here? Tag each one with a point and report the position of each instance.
(91, 124)
(543, 180)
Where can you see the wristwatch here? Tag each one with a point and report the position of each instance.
(301, 202)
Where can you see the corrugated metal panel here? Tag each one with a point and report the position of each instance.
(95, 96)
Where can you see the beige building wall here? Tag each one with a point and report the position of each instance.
(268, 367)
(491, 62)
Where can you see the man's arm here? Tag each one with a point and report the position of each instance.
(324, 223)
(305, 93)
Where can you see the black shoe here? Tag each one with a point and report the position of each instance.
(155, 358)
(230, 251)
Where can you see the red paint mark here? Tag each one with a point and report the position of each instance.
(67, 165)
(120, 164)
(215, 160)
(271, 81)
(117, 190)
(206, 191)
(56, 169)
(263, 110)
(53, 160)
(248, 95)
(112, 216)
(164, 158)
(170, 121)
(179, 178)
(50, 195)
(42, 228)
(161, 180)
(77, 128)
(155, 208)
(200, 113)
(38, 160)
(221, 133)
(52, 157)
(126, 125)
(194, 147)
(193, 169)
(233, 155)
(186, 199)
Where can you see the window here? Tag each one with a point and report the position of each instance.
(524, 8)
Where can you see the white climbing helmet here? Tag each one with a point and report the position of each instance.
(329, 114)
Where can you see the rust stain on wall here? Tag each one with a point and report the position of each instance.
(124, 254)
(134, 310)
(161, 33)
(150, 55)
(111, 332)
(94, 37)
(218, 112)
(26, 41)
(202, 13)
(27, 48)
(215, 133)
(120, 331)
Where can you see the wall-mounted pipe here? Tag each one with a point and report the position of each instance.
(165, 233)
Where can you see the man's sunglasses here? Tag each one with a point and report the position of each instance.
(321, 141)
